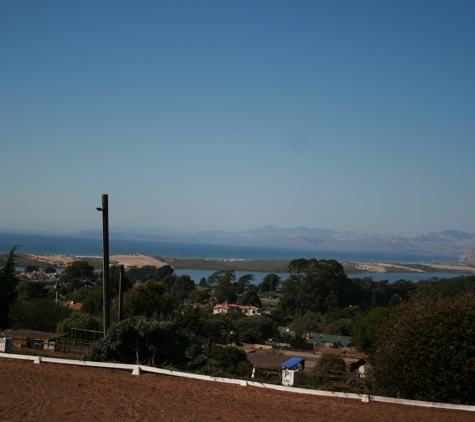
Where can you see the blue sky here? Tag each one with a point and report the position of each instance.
(231, 115)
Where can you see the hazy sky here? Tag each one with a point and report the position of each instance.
(231, 115)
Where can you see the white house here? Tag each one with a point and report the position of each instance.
(224, 308)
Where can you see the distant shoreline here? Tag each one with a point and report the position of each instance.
(270, 266)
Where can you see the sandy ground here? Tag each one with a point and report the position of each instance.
(61, 392)
(381, 267)
(135, 259)
(454, 267)
(55, 261)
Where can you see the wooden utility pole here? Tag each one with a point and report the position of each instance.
(105, 262)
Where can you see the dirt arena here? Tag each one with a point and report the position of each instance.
(54, 392)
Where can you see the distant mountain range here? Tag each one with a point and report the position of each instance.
(446, 242)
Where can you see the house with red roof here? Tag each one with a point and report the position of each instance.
(75, 306)
(224, 308)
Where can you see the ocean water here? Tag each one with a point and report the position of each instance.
(81, 246)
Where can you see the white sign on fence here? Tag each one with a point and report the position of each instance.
(5, 344)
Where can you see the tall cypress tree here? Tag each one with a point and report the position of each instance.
(8, 282)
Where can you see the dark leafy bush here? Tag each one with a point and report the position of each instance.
(145, 341)
(425, 350)
(254, 329)
(231, 360)
(365, 329)
(329, 369)
(83, 321)
(40, 314)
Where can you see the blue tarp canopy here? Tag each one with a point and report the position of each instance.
(274, 363)
(289, 364)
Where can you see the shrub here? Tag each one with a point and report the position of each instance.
(40, 314)
(365, 328)
(322, 372)
(83, 321)
(231, 360)
(145, 341)
(425, 350)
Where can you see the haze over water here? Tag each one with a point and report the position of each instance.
(80, 246)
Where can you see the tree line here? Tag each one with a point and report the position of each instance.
(418, 335)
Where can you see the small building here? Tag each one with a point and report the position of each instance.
(33, 339)
(249, 310)
(275, 363)
(212, 301)
(225, 308)
(331, 341)
(75, 306)
(5, 344)
(361, 368)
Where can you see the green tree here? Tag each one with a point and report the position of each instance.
(362, 292)
(149, 272)
(339, 321)
(169, 281)
(341, 327)
(403, 289)
(217, 276)
(226, 291)
(232, 361)
(142, 274)
(114, 279)
(141, 340)
(269, 283)
(147, 298)
(424, 350)
(50, 270)
(93, 302)
(8, 283)
(218, 327)
(163, 271)
(254, 329)
(316, 286)
(292, 300)
(182, 287)
(39, 314)
(250, 298)
(83, 321)
(76, 273)
(27, 289)
(444, 286)
(199, 296)
(243, 283)
(310, 322)
(365, 329)
(381, 294)
(192, 318)
(31, 268)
